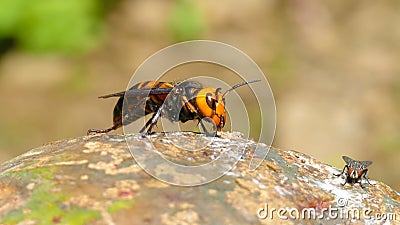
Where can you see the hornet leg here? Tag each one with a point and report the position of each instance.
(114, 127)
(210, 134)
(147, 124)
(192, 109)
(152, 121)
(189, 105)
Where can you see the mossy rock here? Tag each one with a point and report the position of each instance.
(95, 180)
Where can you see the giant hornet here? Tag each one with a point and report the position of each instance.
(187, 100)
(355, 171)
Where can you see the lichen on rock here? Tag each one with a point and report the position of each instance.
(95, 179)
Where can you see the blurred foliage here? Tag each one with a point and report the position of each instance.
(186, 21)
(279, 69)
(391, 143)
(70, 27)
(78, 81)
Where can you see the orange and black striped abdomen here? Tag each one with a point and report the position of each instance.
(157, 99)
(141, 104)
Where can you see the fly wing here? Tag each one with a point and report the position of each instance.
(366, 163)
(347, 159)
(139, 92)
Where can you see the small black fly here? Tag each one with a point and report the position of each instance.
(355, 171)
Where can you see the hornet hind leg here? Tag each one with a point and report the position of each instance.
(101, 131)
(151, 122)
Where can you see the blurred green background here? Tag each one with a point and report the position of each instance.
(333, 66)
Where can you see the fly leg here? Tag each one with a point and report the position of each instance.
(365, 175)
(346, 167)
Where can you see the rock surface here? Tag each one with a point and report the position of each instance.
(95, 180)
